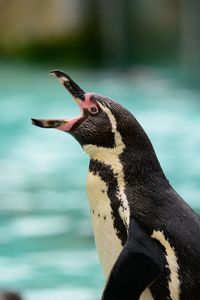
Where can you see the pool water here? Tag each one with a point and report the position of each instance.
(46, 243)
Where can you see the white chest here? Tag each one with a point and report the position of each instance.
(107, 242)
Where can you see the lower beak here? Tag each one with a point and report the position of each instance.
(49, 123)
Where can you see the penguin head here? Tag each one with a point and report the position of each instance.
(102, 123)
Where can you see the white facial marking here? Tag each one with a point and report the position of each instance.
(174, 283)
(107, 242)
(110, 157)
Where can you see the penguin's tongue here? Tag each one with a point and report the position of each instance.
(79, 96)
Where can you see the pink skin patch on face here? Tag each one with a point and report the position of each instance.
(68, 124)
(87, 104)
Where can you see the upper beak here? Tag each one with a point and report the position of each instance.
(75, 91)
(69, 84)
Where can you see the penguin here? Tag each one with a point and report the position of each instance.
(146, 235)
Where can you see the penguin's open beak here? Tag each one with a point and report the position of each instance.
(78, 95)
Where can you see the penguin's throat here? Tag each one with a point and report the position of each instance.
(101, 153)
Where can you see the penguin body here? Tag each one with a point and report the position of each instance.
(147, 237)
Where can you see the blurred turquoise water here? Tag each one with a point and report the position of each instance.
(46, 243)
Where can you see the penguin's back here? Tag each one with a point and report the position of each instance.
(176, 227)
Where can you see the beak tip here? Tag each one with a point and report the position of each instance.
(52, 73)
(33, 121)
(57, 73)
(37, 122)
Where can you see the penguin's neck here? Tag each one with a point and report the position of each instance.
(141, 166)
(136, 165)
(108, 156)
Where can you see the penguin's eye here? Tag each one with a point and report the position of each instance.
(93, 110)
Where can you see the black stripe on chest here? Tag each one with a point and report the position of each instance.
(105, 172)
